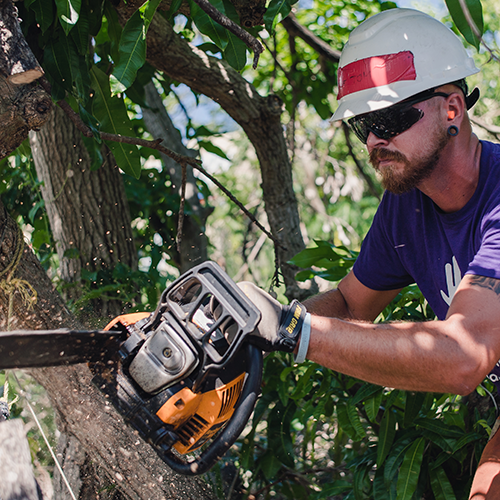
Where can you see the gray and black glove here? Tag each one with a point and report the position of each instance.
(280, 326)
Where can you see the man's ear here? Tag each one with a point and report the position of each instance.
(456, 106)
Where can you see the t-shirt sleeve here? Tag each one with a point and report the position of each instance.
(379, 266)
(486, 261)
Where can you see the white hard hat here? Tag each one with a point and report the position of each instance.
(395, 55)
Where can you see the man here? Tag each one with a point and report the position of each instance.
(402, 90)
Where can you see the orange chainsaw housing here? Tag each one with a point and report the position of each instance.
(195, 417)
(198, 417)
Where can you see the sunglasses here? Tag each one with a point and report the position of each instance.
(394, 120)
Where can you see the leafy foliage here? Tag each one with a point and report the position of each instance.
(329, 434)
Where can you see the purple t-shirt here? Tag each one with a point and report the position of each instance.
(412, 241)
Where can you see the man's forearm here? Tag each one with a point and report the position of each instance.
(437, 356)
(330, 304)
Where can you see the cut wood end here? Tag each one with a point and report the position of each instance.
(26, 76)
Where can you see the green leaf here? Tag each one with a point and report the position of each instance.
(39, 204)
(465, 440)
(208, 26)
(80, 33)
(39, 238)
(279, 433)
(386, 436)
(44, 13)
(57, 64)
(302, 385)
(360, 475)
(246, 454)
(414, 402)
(333, 489)
(410, 470)
(396, 455)
(372, 406)
(68, 12)
(438, 427)
(441, 486)
(270, 465)
(380, 490)
(349, 422)
(458, 16)
(174, 7)
(365, 392)
(276, 11)
(112, 117)
(212, 148)
(353, 414)
(132, 49)
(94, 150)
(95, 12)
(310, 256)
(236, 52)
(442, 442)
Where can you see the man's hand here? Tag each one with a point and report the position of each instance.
(280, 326)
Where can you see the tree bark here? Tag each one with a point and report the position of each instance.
(130, 464)
(87, 210)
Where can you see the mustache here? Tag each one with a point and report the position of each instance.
(381, 154)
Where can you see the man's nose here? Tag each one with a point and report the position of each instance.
(374, 141)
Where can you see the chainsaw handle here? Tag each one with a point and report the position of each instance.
(233, 429)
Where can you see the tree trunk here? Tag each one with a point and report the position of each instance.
(87, 210)
(193, 249)
(130, 464)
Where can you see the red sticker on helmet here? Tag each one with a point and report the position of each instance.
(375, 71)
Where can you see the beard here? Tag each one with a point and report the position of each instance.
(414, 171)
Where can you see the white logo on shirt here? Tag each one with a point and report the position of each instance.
(453, 279)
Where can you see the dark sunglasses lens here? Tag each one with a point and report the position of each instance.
(385, 123)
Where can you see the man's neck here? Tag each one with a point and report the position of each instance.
(455, 179)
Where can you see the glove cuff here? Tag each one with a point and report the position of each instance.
(291, 321)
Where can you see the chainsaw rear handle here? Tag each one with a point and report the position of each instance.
(233, 429)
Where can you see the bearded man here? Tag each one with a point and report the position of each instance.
(402, 90)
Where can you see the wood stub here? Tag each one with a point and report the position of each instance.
(16, 473)
(17, 62)
(22, 108)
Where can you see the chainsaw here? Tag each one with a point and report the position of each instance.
(184, 377)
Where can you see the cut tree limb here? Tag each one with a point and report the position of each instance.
(17, 62)
(23, 105)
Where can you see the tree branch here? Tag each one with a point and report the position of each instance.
(156, 144)
(492, 129)
(294, 28)
(251, 42)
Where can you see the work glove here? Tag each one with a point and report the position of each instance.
(280, 326)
